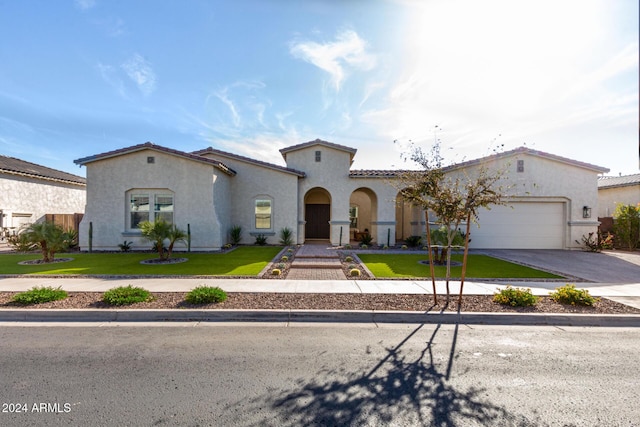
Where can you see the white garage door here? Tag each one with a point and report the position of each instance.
(521, 225)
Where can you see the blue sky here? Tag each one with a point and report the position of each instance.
(81, 77)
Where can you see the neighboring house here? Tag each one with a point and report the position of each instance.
(29, 192)
(318, 196)
(613, 190)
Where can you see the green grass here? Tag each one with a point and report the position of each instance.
(244, 261)
(478, 266)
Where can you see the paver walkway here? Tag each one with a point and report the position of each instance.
(316, 261)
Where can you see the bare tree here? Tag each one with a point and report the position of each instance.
(453, 195)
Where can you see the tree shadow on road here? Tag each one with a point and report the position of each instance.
(404, 387)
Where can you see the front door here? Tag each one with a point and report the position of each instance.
(317, 218)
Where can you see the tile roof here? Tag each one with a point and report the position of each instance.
(526, 150)
(152, 146)
(619, 181)
(211, 150)
(11, 165)
(318, 142)
(371, 173)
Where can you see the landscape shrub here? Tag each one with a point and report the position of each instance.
(205, 295)
(276, 272)
(413, 241)
(235, 233)
(284, 258)
(626, 225)
(348, 258)
(286, 236)
(596, 242)
(404, 247)
(351, 266)
(39, 295)
(354, 272)
(125, 246)
(364, 246)
(568, 294)
(21, 243)
(261, 240)
(515, 297)
(366, 239)
(347, 246)
(125, 295)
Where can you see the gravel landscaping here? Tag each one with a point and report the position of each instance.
(284, 301)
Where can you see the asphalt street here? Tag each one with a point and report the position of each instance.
(255, 374)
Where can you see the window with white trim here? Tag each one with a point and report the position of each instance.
(263, 214)
(149, 205)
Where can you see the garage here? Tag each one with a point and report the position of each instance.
(522, 225)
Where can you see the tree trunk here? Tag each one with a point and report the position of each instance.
(464, 258)
(431, 267)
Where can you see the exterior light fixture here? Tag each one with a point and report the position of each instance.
(586, 212)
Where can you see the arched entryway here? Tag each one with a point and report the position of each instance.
(317, 214)
(363, 212)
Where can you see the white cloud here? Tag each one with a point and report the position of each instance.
(140, 72)
(110, 75)
(85, 4)
(348, 51)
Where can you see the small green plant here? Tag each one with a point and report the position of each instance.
(515, 297)
(351, 266)
(290, 250)
(228, 246)
(205, 295)
(385, 247)
(568, 294)
(404, 247)
(284, 258)
(626, 225)
(39, 295)
(354, 272)
(281, 266)
(413, 241)
(286, 236)
(125, 295)
(125, 246)
(366, 239)
(261, 240)
(364, 246)
(276, 272)
(347, 246)
(235, 233)
(596, 242)
(21, 243)
(348, 258)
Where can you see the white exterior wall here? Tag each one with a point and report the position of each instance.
(549, 181)
(609, 198)
(252, 182)
(191, 183)
(25, 200)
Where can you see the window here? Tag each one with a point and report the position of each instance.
(263, 214)
(141, 209)
(353, 216)
(318, 156)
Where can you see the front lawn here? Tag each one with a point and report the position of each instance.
(478, 266)
(243, 261)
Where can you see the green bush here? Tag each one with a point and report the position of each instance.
(276, 272)
(21, 243)
(284, 258)
(261, 240)
(39, 295)
(515, 297)
(568, 294)
(354, 272)
(125, 246)
(205, 295)
(125, 295)
(286, 236)
(366, 239)
(235, 233)
(348, 258)
(412, 241)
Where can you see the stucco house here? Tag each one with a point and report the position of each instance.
(29, 192)
(613, 190)
(318, 196)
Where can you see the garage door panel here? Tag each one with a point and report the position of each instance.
(521, 226)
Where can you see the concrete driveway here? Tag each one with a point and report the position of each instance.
(605, 267)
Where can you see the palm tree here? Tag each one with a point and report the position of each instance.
(49, 237)
(158, 232)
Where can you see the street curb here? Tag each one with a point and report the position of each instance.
(318, 316)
